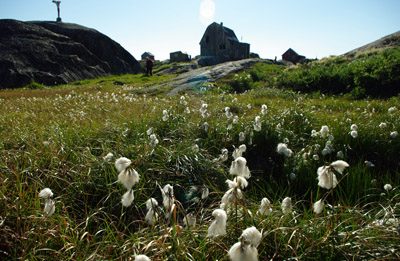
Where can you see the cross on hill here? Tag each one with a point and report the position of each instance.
(58, 10)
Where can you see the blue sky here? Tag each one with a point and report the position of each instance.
(314, 28)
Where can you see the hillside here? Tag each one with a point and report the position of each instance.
(56, 53)
(389, 41)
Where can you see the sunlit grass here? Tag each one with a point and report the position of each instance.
(58, 138)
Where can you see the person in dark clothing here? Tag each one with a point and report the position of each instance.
(149, 67)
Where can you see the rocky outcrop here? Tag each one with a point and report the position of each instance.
(55, 53)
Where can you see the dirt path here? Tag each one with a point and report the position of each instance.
(201, 76)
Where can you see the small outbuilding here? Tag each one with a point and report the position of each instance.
(291, 56)
(146, 55)
(220, 44)
(179, 57)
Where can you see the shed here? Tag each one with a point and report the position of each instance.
(291, 56)
(146, 55)
(179, 57)
(220, 44)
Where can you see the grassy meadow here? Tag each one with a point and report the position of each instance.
(60, 138)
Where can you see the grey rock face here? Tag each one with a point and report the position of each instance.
(55, 53)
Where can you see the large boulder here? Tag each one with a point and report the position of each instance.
(55, 53)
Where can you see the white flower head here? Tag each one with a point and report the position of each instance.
(142, 258)
(168, 196)
(108, 157)
(151, 203)
(392, 109)
(382, 125)
(204, 192)
(122, 163)
(128, 178)
(283, 149)
(265, 207)
(340, 165)
(151, 216)
(240, 252)
(354, 134)
(242, 136)
(251, 236)
(387, 187)
(354, 127)
(218, 226)
(264, 109)
(286, 205)
(45, 193)
(128, 198)
(326, 177)
(228, 112)
(238, 152)
(324, 131)
(165, 115)
(239, 168)
(394, 134)
(318, 207)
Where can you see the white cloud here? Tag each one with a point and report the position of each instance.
(207, 11)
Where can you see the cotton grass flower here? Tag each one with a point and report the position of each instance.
(238, 152)
(122, 163)
(264, 109)
(339, 165)
(242, 136)
(239, 168)
(108, 157)
(127, 198)
(153, 140)
(228, 112)
(387, 187)
(324, 131)
(168, 196)
(246, 248)
(394, 134)
(142, 258)
(151, 216)
(318, 207)
(189, 220)
(326, 178)
(283, 149)
(165, 115)
(49, 207)
(257, 124)
(265, 207)
(218, 226)
(392, 109)
(128, 178)
(286, 205)
(354, 134)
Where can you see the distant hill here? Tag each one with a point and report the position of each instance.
(53, 53)
(389, 41)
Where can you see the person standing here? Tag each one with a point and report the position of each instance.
(149, 66)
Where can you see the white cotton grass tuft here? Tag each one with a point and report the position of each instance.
(246, 248)
(238, 152)
(318, 207)
(224, 155)
(237, 182)
(218, 226)
(354, 134)
(165, 115)
(265, 207)
(151, 216)
(128, 178)
(127, 198)
(242, 252)
(286, 205)
(204, 192)
(239, 168)
(354, 127)
(387, 187)
(153, 140)
(45, 193)
(251, 236)
(122, 163)
(283, 149)
(108, 157)
(394, 134)
(326, 178)
(324, 131)
(142, 258)
(168, 196)
(339, 165)
(264, 109)
(49, 206)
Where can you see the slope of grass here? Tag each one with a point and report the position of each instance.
(58, 138)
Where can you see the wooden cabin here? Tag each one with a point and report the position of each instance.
(220, 44)
(146, 55)
(179, 57)
(291, 56)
